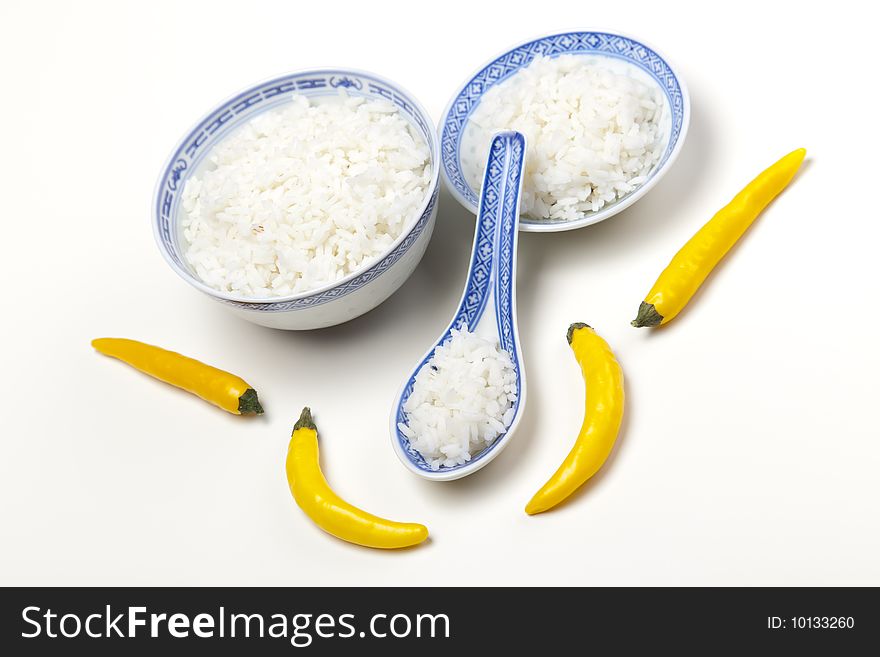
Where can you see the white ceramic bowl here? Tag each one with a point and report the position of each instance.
(592, 43)
(332, 304)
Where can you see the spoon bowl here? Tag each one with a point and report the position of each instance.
(488, 303)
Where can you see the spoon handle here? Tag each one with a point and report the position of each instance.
(495, 238)
(512, 146)
(490, 284)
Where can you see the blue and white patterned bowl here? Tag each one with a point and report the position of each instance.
(332, 304)
(591, 43)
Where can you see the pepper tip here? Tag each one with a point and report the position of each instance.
(533, 508)
(647, 316)
(249, 403)
(305, 420)
(574, 327)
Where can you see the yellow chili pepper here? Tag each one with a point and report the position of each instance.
(603, 413)
(693, 263)
(330, 512)
(229, 392)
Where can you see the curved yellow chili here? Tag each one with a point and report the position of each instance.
(603, 413)
(229, 392)
(330, 512)
(696, 259)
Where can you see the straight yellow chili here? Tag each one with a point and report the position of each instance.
(696, 259)
(329, 511)
(603, 413)
(229, 392)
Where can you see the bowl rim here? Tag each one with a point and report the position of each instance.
(250, 302)
(612, 209)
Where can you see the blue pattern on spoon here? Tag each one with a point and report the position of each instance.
(491, 279)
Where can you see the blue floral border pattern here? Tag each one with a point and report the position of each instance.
(237, 111)
(583, 43)
(495, 239)
(483, 261)
(506, 243)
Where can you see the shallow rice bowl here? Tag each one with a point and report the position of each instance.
(334, 303)
(457, 162)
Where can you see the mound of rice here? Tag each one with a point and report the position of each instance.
(304, 195)
(594, 133)
(462, 400)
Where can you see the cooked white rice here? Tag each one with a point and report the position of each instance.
(595, 129)
(304, 195)
(462, 400)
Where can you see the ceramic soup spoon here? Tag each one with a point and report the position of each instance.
(488, 304)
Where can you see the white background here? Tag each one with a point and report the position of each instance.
(750, 450)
